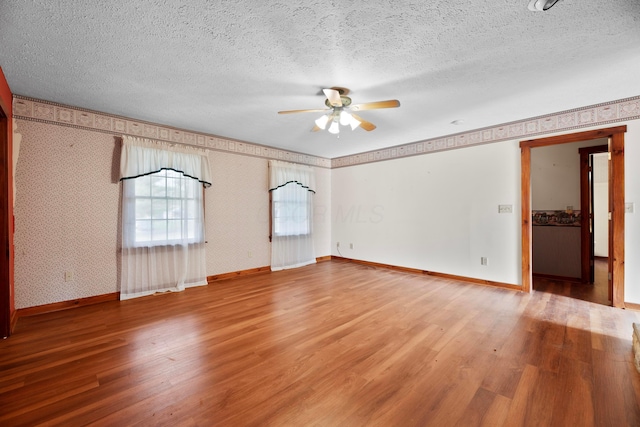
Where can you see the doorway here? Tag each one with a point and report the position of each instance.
(615, 147)
(594, 204)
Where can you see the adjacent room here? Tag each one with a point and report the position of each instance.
(332, 214)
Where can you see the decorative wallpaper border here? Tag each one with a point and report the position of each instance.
(556, 218)
(595, 115)
(46, 111)
(599, 114)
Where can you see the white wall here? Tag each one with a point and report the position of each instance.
(632, 220)
(67, 214)
(436, 212)
(439, 212)
(555, 175)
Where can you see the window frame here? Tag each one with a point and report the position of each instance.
(273, 221)
(195, 214)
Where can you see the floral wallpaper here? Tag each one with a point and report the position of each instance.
(66, 214)
(68, 204)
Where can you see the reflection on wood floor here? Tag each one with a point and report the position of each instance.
(598, 292)
(331, 344)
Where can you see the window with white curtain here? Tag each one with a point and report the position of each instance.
(292, 188)
(166, 209)
(163, 237)
(291, 210)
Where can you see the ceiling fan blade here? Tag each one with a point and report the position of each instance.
(333, 96)
(392, 103)
(368, 126)
(304, 111)
(315, 128)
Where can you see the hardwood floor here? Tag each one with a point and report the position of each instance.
(332, 344)
(598, 292)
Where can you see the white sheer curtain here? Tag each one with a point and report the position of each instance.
(163, 239)
(292, 188)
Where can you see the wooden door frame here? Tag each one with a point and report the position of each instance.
(5, 243)
(585, 208)
(616, 191)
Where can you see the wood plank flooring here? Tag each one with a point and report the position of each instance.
(598, 292)
(332, 344)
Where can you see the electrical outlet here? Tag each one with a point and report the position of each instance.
(484, 260)
(68, 276)
(505, 208)
(350, 245)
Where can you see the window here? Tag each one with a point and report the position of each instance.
(291, 210)
(163, 247)
(167, 209)
(291, 187)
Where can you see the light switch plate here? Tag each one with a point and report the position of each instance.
(629, 207)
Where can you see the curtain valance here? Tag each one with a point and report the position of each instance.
(141, 156)
(282, 173)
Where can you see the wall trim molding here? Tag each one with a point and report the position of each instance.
(251, 271)
(432, 273)
(13, 321)
(115, 296)
(37, 110)
(65, 305)
(564, 121)
(632, 306)
(241, 273)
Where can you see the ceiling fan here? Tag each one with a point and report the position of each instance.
(541, 5)
(340, 111)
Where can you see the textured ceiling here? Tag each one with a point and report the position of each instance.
(227, 67)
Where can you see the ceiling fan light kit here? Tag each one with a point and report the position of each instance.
(334, 128)
(541, 5)
(346, 119)
(340, 111)
(322, 121)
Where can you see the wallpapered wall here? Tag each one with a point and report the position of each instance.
(238, 226)
(67, 214)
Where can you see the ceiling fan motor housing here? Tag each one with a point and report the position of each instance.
(346, 101)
